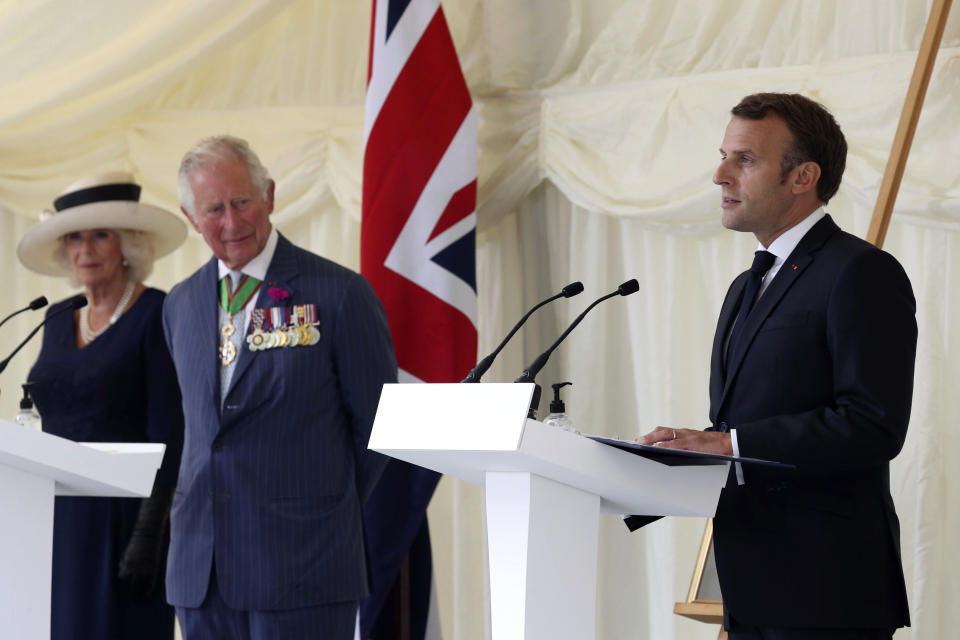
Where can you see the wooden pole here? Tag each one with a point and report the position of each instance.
(916, 92)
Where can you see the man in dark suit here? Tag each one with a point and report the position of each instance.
(816, 371)
(281, 356)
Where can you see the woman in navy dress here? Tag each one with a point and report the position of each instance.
(104, 375)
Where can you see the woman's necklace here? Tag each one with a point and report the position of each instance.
(86, 333)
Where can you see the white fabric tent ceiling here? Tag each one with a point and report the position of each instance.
(599, 126)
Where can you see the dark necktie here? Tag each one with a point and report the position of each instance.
(762, 261)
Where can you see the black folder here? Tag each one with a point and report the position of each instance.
(682, 457)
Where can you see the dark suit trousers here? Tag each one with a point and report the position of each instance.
(215, 620)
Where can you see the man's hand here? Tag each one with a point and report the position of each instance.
(689, 439)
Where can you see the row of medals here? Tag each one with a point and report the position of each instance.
(261, 340)
(300, 335)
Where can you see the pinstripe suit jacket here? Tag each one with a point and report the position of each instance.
(273, 483)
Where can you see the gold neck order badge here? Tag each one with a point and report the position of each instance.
(228, 350)
(233, 301)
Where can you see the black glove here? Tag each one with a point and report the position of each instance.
(141, 565)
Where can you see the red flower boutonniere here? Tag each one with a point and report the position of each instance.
(278, 294)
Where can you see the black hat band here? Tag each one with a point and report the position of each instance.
(101, 193)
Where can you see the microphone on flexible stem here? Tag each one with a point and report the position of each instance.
(568, 291)
(530, 373)
(74, 303)
(39, 303)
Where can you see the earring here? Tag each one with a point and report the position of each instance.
(125, 263)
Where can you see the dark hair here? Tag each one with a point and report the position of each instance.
(816, 135)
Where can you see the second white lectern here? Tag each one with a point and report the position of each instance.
(34, 467)
(545, 489)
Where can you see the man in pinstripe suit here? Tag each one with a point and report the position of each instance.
(266, 528)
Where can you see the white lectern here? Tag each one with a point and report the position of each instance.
(545, 489)
(34, 467)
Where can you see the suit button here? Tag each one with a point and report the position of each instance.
(210, 493)
(724, 427)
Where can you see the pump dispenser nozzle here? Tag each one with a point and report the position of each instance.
(558, 416)
(557, 406)
(26, 402)
(27, 416)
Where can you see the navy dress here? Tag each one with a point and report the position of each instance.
(119, 388)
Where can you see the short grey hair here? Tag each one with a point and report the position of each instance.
(211, 151)
(137, 247)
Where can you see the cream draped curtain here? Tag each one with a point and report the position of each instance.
(600, 121)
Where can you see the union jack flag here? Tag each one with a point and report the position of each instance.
(418, 238)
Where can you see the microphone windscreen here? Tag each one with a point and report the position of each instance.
(39, 303)
(78, 301)
(572, 289)
(628, 287)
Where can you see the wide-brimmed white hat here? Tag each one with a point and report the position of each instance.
(105, 201)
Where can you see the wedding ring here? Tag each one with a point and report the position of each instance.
(674, 434)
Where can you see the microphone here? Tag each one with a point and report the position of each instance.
(530, 373)
(568, 291)
(39, 303)
(74, 303)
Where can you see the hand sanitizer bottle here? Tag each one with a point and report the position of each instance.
(558, 416)
(27, 416)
